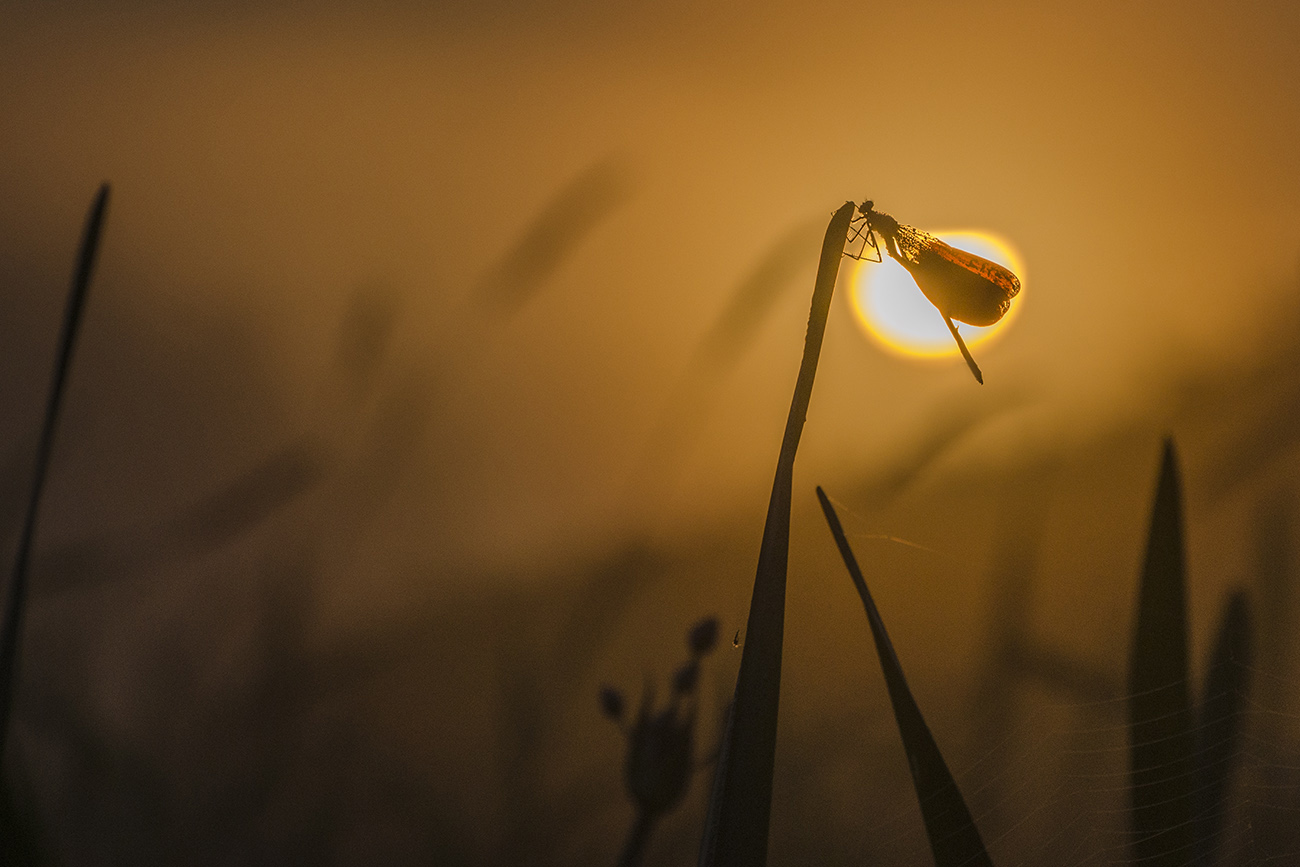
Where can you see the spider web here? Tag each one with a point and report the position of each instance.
(1053, 787)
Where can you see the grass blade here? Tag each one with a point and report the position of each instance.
(753, 298)
(743, 781)
(566, 220)
(12, 625)
(1162, 769)
(1227, 683)
(954, 839)
(718, 351)
(245, 502)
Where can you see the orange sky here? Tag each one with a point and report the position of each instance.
(269, 162)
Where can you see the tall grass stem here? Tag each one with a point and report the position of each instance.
(11, 629)
(737, 835)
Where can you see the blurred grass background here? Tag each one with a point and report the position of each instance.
(337, 548)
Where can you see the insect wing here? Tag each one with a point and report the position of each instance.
(959, 290)
(963, 286)
(991, 271)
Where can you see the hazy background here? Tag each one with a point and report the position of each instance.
(360, 493)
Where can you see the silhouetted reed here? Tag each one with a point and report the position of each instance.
(732, 332)
(549, 239)
(19, 842)
(737, 830)
(1181, 756)
(15, 600)
(954, 839)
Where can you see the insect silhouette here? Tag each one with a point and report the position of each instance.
(961, 285)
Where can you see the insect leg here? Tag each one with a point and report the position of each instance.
(871, 241)
(861, 233)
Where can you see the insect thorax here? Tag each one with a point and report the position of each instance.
(912, 241)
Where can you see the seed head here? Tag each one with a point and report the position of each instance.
(702, 636)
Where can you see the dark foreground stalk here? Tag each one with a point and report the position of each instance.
(1162, 761)
(634, 848)
(742, 798)
(17, 595)
(954, 839)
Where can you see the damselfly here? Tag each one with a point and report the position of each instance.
(961, 285)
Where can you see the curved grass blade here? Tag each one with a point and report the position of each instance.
(555, 233)
(753, 298)
(1161, 738)
(954, 839)
(1227, 683)
(719, 350)
(12, 625)
(743, 780)
(249, 499)
(916, 449)
(218, 519)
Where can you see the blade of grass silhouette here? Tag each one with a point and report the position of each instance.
(15, 481)
(364, 338)
(1057, 669)
(1274, 562)
(965, 353)
(954, 839)
(754, 297)
(1161, 739)
(219, 518)
(739, 834)
(731, 333)
(250, 498)
(12, 625)
(1221, 718)
(919, 447)
(555, 233)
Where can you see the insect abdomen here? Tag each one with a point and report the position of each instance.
(966, 287)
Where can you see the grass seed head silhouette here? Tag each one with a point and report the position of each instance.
(661, 742)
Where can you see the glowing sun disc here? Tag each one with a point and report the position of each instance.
(891, 309)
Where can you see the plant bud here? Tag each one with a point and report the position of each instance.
(703, 636)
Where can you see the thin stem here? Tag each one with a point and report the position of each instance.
(634, 848)
(737, 833)
(17, 595)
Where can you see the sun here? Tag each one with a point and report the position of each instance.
(891, 309)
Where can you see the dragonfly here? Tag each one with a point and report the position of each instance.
(962, 286)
